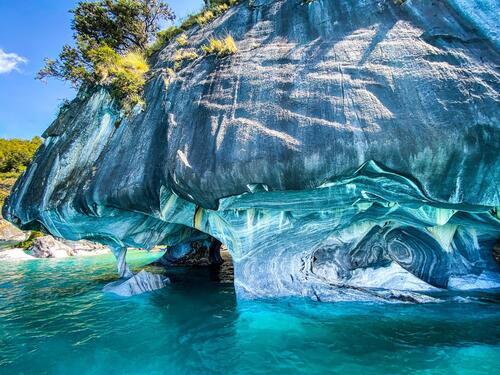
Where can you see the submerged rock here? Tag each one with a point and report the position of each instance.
(137, 284)
(348, 147)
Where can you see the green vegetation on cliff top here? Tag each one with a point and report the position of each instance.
(113, 39)
(212, 10)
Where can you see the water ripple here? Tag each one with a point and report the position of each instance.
(54, 319)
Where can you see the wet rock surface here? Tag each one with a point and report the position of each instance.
(348, 151)
(139, 283)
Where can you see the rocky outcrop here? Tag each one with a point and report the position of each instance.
(49, 247)
(349, 149)
(10, 235)
(83, 247)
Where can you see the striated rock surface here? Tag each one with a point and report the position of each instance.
(139, 283)
(347, 151)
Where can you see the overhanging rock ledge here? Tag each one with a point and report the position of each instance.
(348, 151)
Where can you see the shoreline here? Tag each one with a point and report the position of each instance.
(17, 253)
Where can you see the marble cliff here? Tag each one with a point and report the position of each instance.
(347, 151)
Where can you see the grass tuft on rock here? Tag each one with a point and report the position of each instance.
(184, 55)
(220, 47)
(125, 75)
(182, 40)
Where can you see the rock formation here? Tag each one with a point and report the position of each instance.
(10, 235)
(42, 247)
(348, 151)
(50, 247)
(142, 282)
(204, 251)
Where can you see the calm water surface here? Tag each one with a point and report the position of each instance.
(54, 319)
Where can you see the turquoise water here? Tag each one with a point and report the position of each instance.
(54, 319)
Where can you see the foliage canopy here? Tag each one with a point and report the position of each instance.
(15, 155)
(122, 25)
(111, 37)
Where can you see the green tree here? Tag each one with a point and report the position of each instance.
(107, 31)
(120, 24)
(15, 154)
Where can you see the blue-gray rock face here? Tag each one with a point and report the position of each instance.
(348, 150)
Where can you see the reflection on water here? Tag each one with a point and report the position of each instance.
(55, 319)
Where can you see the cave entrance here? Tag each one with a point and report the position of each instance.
(201, 258)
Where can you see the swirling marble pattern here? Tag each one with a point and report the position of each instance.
(334, 253)
(348, 151)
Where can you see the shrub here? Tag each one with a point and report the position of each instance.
(110, 38)
(125, 75)
(29, 242)
(7, 180)
(189, 22)
(215, 9)
(15, 155)
(184, 55)
(199, 19)
(220, 47)
(182, 40)
(205, 17)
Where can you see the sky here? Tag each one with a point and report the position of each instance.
(31, 30)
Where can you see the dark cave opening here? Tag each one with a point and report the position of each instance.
(202, 258)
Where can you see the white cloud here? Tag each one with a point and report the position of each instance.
(10, 61)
